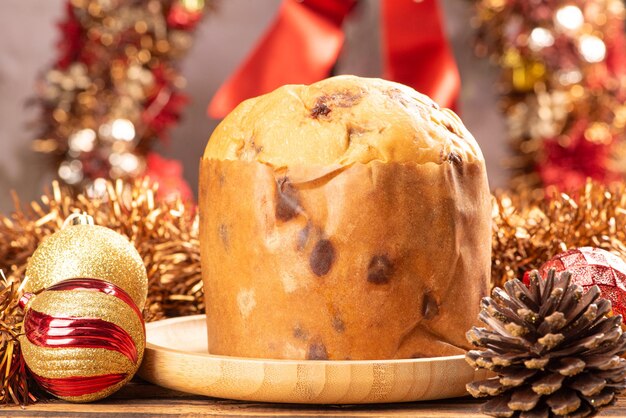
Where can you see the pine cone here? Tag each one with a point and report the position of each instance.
(554, 349)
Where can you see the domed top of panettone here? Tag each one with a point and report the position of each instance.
(342, 120)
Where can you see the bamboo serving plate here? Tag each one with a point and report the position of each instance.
(176, 357)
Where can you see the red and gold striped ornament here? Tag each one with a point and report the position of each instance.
(84, 333)
(83, 338)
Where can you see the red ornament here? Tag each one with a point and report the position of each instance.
(83, 338)
(593, 266)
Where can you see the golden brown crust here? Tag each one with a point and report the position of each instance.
(342, 120)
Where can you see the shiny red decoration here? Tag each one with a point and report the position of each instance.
(78, 385)
(69, 332)
(96, 285)
(66, 331)
(305, 40)
(569, 167)
(594, 266)
(164, 104)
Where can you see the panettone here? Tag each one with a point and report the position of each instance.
(348, 219)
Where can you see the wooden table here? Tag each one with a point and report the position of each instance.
(141, 399)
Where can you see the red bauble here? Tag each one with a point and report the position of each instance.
(593, 266)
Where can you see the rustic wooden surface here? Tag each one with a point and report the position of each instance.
(142, 399)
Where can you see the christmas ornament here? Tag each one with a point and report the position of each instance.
(552, 346)
(593, 266)
(82, 249)
(563, 64)
(531, 226)
(84, 334)
(163, 231)
(83, 338)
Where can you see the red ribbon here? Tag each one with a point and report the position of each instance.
(416, 51)
(304, 42)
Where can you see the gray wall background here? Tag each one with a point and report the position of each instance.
(28, 35)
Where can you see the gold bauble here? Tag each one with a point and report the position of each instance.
(84, 250)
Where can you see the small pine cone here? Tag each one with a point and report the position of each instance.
(553, 348)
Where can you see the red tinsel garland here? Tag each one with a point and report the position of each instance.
(563, 87)
(115, 88)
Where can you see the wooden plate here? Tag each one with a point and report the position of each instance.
(176, 357)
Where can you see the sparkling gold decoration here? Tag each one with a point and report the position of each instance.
(87, 251)
(164, 232)
(530, 227)
(563, 86)
(16, 386)
(67, 360)
(89, 361)
(115, 88)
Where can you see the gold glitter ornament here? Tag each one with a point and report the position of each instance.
(84, 250)
(83, 338)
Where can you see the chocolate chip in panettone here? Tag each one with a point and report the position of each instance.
(320, 109)
(338, 324)
(430, 307)
(379, 270)
(454, 158)
(317, 351)
(322, 257)
(300, 333)
(287, 201)
(346, 98)
(324, 104)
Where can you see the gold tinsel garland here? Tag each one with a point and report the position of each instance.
(562, 87)
(164, 232)
(531, 227)
(15, 385)
(528, 229)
